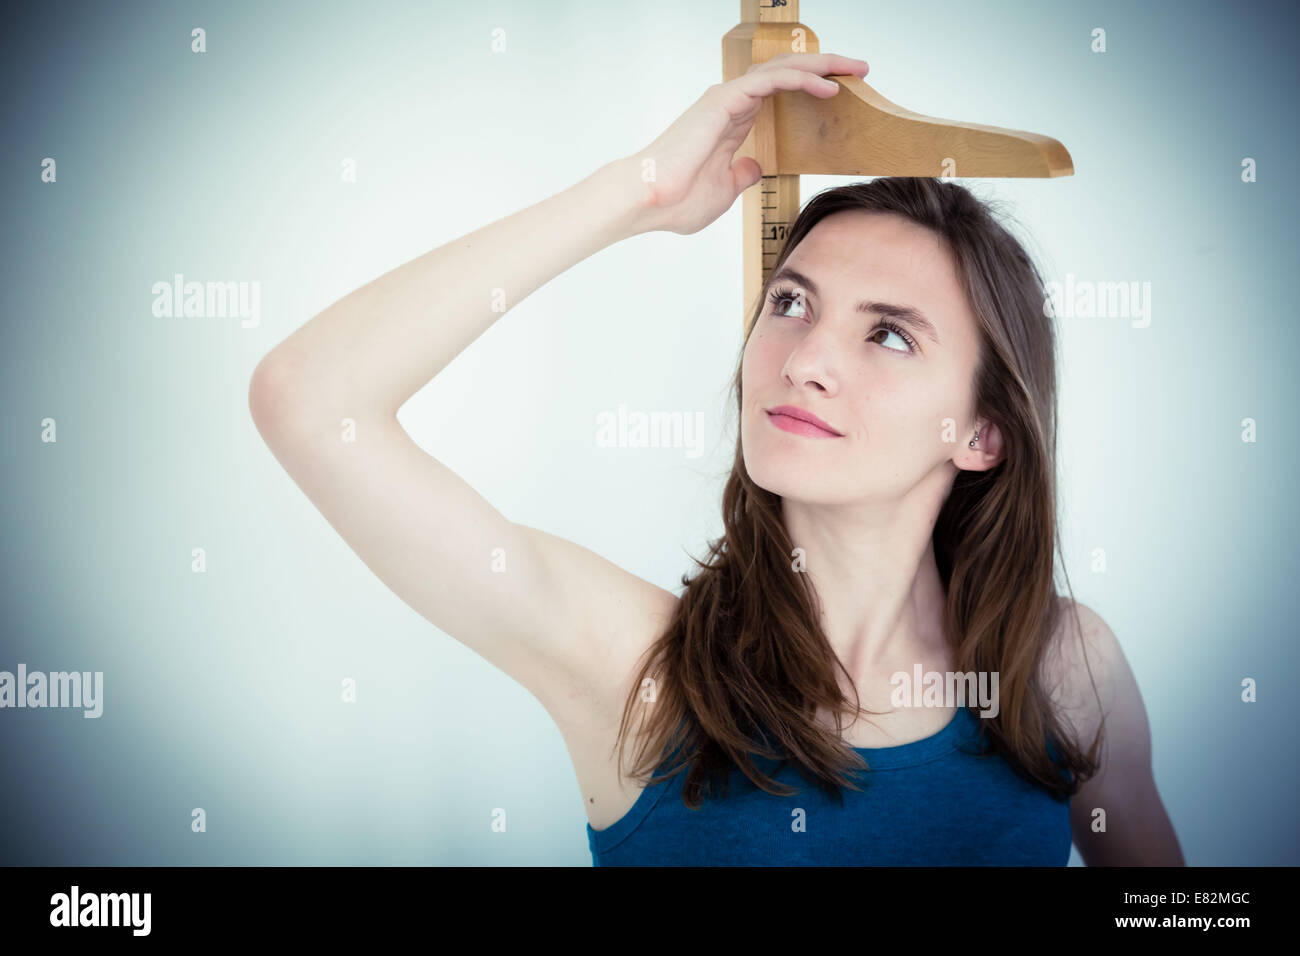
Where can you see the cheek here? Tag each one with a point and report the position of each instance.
(755, 360)
(763, 355)
(900, 409)
(925, 420)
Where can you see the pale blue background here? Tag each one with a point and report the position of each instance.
(222, 688)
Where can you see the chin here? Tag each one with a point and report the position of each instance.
(781, 473)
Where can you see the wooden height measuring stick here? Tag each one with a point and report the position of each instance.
(857, 132)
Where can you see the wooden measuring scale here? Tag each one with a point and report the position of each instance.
(856, 132)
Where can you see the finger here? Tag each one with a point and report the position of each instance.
(820, 63)
(745, 171)
(763, 83)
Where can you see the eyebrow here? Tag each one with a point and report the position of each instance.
(904, 313)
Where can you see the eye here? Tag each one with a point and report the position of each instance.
(782, 298)
(909, 344)
(779, 296)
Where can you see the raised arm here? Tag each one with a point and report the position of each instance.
(326, 400)
(373, 349)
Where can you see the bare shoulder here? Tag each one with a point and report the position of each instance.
(1085, 653)
(622, 615)
(1084, 669)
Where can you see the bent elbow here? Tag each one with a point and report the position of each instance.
(270, 394)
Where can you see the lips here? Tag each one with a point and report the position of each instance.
(801, 421)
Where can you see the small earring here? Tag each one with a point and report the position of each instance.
(975, 439)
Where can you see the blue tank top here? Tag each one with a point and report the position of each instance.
(933, 802)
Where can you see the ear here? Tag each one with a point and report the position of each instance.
(988, 450)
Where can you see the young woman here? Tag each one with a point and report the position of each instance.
(890, 514)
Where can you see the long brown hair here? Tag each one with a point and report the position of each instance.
(743, 666)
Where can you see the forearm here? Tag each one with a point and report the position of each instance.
(370, 351)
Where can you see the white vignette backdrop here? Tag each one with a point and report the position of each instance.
(222, 688)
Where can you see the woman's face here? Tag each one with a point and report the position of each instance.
(888, 398)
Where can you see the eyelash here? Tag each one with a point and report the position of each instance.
(777, 296)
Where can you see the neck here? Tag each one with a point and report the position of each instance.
(873, 568)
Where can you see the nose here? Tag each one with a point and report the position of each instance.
(813, 361)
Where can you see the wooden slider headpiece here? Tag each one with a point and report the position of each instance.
(857, 132)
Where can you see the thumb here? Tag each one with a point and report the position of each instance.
(745, 172)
